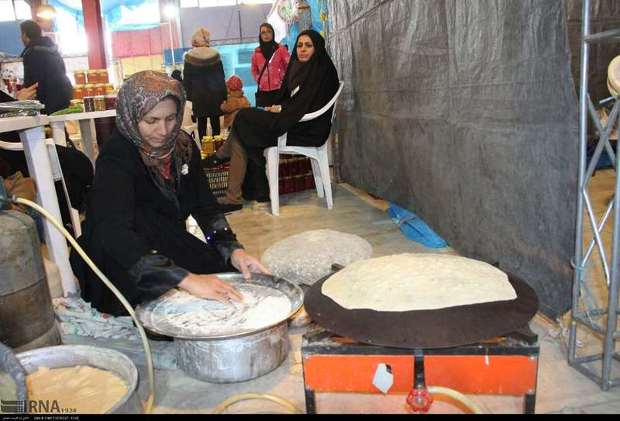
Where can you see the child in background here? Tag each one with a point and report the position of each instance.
(236, 100)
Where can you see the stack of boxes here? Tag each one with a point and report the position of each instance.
(295, 173)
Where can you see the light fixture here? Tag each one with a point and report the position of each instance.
(170, 11)
(46, 12)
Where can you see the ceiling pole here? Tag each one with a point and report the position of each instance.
(93, 24)
(34, 6)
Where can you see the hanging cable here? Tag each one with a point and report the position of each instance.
(247, 396)
(148, 405)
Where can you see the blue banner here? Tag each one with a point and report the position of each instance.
(118, 15)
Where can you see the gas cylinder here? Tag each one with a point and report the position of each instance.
(26, 312)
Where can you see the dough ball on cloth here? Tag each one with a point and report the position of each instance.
(410, 282)
(309, 256)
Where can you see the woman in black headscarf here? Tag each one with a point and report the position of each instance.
(311, 81)
(269, 63)
(147, 182)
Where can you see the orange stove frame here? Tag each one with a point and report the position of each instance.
(504, 366)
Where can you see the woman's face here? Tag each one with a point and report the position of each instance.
(305, 48)
(266, 34)
(157, 125)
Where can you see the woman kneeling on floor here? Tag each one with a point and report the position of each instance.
(311, 81)
(148, 180)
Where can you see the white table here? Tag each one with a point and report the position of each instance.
(87, 129)
(32, 136)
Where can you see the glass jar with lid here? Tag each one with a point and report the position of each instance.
(80, 77)
(103, 76)
(110, 102)
(100, 103)
(89, 104)
(99, 89)
(78, 92)
(89, 90)
(93, 76)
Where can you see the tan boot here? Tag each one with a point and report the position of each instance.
(226, 200)
(228, 206)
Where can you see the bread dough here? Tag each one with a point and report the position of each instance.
(307, 257)
(88, 390)
(408, 282)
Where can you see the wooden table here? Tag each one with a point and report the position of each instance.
(87, 129)
(32, 135)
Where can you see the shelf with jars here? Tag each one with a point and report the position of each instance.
(93, 90)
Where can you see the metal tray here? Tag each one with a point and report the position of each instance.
(292, 291)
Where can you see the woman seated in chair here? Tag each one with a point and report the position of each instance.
(311, 81)
(147, 182)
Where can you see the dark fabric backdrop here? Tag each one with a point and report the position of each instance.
(465, 111)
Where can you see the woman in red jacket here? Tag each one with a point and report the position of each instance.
(269, 64)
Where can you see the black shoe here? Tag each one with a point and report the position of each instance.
(230, 207)
(247, 193)
(263, 199)
(213, 161)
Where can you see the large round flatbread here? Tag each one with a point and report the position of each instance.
(307, 257)
(613, 76)
(409, 282)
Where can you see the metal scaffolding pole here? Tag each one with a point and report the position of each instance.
(593, 318)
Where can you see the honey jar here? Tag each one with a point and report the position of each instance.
(78, 92)
(103, 76)
(93, 76)
(80, 77)
(208, 146)
(99, 89)
(89, 90)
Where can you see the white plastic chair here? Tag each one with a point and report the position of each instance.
(318, 157)
(57, 176)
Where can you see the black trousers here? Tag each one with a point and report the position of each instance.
(202, 126)
(252, 128)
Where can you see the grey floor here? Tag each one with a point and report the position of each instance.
(560, 388)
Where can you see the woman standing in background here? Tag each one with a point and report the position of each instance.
(203, 79)
(269, 64)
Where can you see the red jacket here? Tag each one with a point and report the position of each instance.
(274, 74)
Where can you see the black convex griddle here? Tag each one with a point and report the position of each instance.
(450, 327)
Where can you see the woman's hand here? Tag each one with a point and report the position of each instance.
(247, 264)
(27, 93)
(211, 287)
(274, 109)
